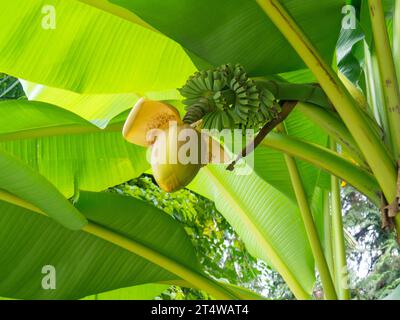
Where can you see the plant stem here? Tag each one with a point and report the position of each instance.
(195, 278)
(334, 126)
(378, 159)
(286, 91)
(341, 273)
(326, 160)
(287, 108)
(387, 71)
(328, 233)
(396, 37)
(311, 230)
(313, 102)
(355, 92)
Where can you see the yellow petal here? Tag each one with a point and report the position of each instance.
(145, 116)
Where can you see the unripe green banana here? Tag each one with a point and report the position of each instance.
(226, 98)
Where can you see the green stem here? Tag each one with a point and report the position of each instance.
(195, 278)
(378, 159)
(314, 104)
(396, 37)
(328, 233)
(326, 160)
(334, 126)
(340, 262)
(355, 92)
(286, 91)
(311, 230)
(375, 96)
(387, 71)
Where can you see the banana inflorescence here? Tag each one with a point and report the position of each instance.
(222, 98)
(226, 98)
(157, 125)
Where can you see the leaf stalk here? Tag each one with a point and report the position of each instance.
(311, 230)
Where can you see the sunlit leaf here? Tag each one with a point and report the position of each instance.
(84, 264)
(89, 50)
(69, 151)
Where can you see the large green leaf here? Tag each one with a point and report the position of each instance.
(85, 264)
(237, 31)
(142, 292)
(69, 151)
(266, 220)
(88, 51)
(99, 109)
(21, 119)
(128, 242)
(19, 179)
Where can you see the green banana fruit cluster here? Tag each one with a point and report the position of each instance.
(226, 98)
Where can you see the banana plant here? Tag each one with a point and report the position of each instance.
(322, 95)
